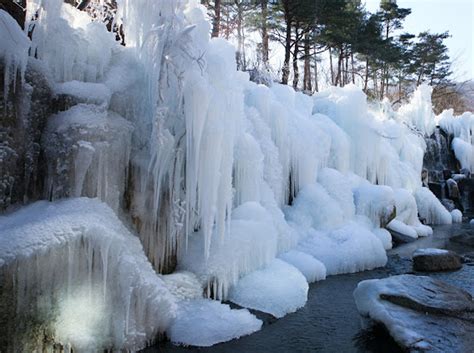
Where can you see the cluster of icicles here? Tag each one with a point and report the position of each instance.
(217, 175)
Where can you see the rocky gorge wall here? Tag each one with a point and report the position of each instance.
(444, 175)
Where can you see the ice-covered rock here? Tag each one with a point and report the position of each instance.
(347, 249)
(87, 149)
(311, 268)
(401, 233)
(420, 313)
(205, 322)
(75, 92)
(431, 260)
(277, 289)
(72, 271)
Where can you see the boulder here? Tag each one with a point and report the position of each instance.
(432, 260)
(464, 239)
(420, 313)
(401, 233)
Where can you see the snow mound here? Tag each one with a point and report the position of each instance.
(311, 268)
(384, 236)
(75, 260)
(315, 208)
(205, 322)
(348, 249)
(430, 251)
(277, 289)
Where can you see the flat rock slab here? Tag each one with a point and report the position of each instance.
(432, 260)
(422, 314)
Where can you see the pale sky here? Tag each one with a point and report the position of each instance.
(455, 16)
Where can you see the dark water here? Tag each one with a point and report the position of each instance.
(330, 322)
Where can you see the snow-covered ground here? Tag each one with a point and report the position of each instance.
(254, 190)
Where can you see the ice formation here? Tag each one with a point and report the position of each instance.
(265, 291)
(205, 322)
(14, 45)
(75, 268)
(462, 128)
(248, 191)
(457, 216)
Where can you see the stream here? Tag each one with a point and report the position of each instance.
(329, 322)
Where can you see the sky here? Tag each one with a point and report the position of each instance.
(455, 16)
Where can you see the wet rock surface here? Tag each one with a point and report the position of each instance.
(431, 260)
(421, 313)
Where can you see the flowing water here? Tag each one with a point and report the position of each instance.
(329, 322)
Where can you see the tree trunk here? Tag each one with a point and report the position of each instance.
(286, 62)
(264, 32)
(330, 64)
(340, 67)
(307, 65)
(217, 18)
(366, 81)
(346, 71)
(382, 83)
(353, 70)
(296, 73)
(400, 87)
(240, 55)
(376, 88)
(316, 88)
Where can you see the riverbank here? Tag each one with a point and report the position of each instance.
(329, 322)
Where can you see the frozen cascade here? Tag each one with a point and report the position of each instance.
(237, 183)
(14, 45)
(73, 270)
(462, 129)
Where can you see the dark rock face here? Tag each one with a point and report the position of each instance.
(422, 314)
(442, 173)
(438, 156)
(466, 191)
(432, 260)
(23, 118)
